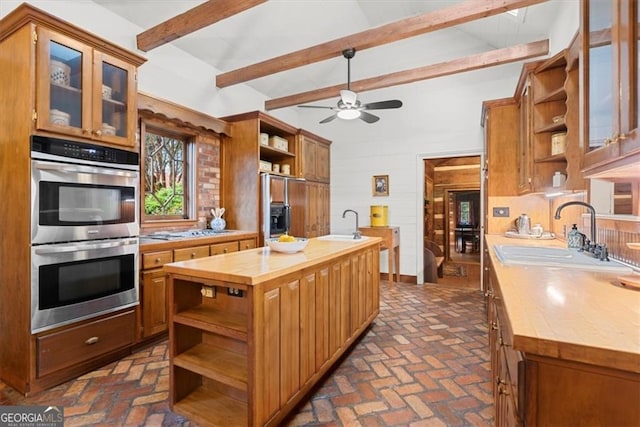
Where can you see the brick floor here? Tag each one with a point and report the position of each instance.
(424, 362)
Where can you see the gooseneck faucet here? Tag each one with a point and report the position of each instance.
(598, 250)
(356, 234)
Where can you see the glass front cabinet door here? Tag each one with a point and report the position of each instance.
(83, 92)
(610, 69)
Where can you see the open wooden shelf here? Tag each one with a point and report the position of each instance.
(208, 407)
(271, 151)
(555, 158)
(215, 363)
(551, 127)
(233, 325)
(558, 94)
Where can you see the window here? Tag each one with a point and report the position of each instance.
(464, 213)
(166, 180)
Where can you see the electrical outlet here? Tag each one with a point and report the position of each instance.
(208, 291)
(234, 292)
(501, 212)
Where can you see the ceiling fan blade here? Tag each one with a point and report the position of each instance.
(348, 97)
(328, 119)
(324, 107)
(382, 105)
(369, 118)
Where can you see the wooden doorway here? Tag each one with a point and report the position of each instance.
(448, 181)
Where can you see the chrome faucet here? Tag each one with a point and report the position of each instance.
(598, 250)
(356, 234)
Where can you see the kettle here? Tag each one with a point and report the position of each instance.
(523, 224)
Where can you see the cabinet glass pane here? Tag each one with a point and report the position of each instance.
(600, 73)
(65, 100)
(114, 100)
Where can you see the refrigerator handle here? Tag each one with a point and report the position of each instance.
(287, 218)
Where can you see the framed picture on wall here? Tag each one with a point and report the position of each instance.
(381, 185)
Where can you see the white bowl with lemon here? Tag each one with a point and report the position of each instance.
(287, 244)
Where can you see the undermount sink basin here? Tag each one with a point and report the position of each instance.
(555, 257)
(342, 238)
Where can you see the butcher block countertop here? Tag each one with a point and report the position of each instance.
(568, 313)
(255, 266)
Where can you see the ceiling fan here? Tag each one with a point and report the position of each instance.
(348, 107)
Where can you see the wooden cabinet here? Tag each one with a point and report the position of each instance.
(84, 92)
(610, 50)
(524, 158)
(315, 157)
(317, 220)
(154, 287)
(30, 88)
(193, 252)
(249, 359)
(548, 143)
(533, 390)
(243, 245)
(242, 155)
(83, 87)
(500, 146)
(72, 347)
(154, 304)
(224, 248)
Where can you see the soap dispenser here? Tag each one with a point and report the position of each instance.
(575, 239)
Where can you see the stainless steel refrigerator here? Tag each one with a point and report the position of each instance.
(282, 206)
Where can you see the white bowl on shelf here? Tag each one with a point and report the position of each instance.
(58, 117)
(60, 73)
(107, 129)
(288, 247)
(106, 92)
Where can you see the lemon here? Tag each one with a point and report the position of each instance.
(286, 238)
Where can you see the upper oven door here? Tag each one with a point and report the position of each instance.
(72, 202)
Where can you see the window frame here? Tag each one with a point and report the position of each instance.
(190, 174)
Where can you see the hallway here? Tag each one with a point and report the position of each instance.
(424, 362)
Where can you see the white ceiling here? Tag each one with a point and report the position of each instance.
(282, 26)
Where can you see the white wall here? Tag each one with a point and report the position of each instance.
(440, 117)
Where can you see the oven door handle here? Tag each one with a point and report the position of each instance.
(77, 247)
(84, 169)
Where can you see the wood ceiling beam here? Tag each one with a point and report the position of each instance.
(192, 20)
(457, 14)
(460, 65)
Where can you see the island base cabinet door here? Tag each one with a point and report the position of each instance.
(271, 354)
(322, 318)
(289, 340)
(335, 294)
(307, 328)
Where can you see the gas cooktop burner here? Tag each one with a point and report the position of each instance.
(207, 232)
(185, 234)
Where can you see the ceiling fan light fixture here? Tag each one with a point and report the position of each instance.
(349, 114)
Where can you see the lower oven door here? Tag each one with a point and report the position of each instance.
(75, 281)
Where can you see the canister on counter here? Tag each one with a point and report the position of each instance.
(379, 215)
(286, 169)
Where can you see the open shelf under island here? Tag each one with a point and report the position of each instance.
(252, 332)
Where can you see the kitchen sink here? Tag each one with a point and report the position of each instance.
(555, 257)
(342, 238)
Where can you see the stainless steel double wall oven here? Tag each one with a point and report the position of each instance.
(84, 231)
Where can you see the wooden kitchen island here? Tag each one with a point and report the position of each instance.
(252, 332)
